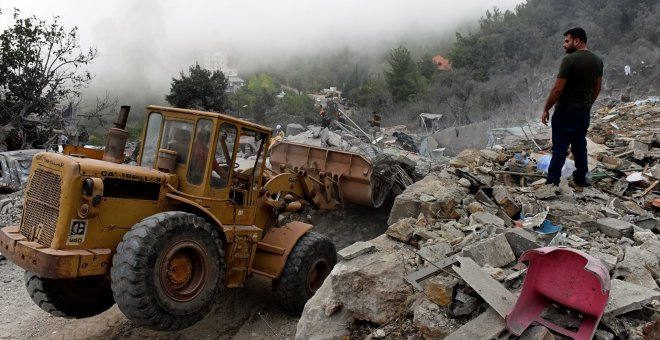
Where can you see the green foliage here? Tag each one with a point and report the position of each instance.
(374, 94)
(40, 66)
(427, 68)
(95, 140)
(296, 104)
(402, 78)
(201, 89)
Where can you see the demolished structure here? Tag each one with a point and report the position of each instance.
(447, 266)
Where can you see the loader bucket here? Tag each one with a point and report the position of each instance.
(351, 172)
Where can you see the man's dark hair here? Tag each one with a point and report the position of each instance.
(577, 32)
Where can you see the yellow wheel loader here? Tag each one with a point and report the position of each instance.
(194, 215)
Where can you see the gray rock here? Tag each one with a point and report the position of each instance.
(356, 249)
(486, 219)
(402, 230)
(613, 227)
(323, 317)
(372, 286)
(448, 195)
(494, 252)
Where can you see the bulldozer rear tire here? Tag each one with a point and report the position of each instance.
(70, 298)
(168, 270)
(309, 263)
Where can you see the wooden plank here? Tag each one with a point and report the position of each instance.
(416, 277)
(490, 290)
(488, 325)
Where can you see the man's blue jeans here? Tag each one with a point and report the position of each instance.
(569, 127)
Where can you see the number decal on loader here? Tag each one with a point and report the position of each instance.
(77, 232)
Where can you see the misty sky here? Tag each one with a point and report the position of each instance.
(143, 44)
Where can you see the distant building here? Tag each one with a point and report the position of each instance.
(235, 83)
(217, 61)
(442, 62)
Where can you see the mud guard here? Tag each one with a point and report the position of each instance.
(274, 249)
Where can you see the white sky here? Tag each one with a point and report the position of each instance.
(147, 42)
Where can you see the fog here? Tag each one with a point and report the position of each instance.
(143, 44)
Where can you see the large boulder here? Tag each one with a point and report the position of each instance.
(324, 318)
(372, 286)
(433, 196)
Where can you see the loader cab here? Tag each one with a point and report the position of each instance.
(218, 159)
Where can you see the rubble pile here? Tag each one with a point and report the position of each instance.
(448, 263)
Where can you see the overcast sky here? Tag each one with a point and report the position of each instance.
(145, 43)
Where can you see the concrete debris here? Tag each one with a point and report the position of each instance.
(494, 252)
(355, 250)
(14, 169)
(626, 297)
(487, 207)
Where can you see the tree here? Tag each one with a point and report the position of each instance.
(201, 89)
(403, 75)
(40, 66)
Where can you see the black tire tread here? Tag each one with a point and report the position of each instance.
(290, 288)
(129, 272)
(54, 297)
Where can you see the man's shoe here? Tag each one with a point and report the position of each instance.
(576, 187)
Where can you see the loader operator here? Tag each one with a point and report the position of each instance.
(200, 152)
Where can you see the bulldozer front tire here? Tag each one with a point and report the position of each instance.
(70, 298)
(168, 271)
(309, 263)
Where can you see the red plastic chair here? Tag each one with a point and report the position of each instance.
(564, 276)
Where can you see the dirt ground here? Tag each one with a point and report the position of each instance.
(244, 313)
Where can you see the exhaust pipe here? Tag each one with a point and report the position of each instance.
(115, 141)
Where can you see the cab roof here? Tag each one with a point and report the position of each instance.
(222, 116)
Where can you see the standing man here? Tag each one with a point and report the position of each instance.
(575, 90)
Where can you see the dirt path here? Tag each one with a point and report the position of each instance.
(245, 313)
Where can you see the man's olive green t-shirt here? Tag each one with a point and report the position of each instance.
(580, 69)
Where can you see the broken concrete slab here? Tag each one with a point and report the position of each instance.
(494, 251)
(607, 259)
(521, 240)
(635, 267)
(585, 222)
(613, 227)
(435, 251)
(356, 249)
(486, 219)
(626, 297)
(488, 325)
(490, 290)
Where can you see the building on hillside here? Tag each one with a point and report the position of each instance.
(442, 62)
(234, 83)
(217, 61)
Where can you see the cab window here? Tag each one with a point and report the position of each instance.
(200, 152)
(224, 153)
(177, 137)
(151, 139)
